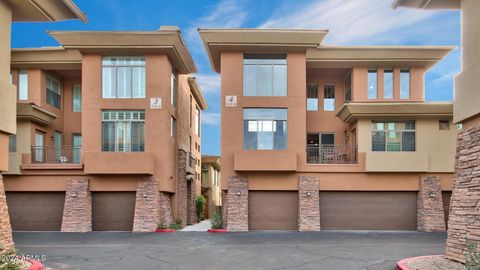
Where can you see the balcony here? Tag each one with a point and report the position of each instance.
(66, 154)
(332, 154)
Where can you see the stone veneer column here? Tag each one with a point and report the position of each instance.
(182, 186)
(224, 209)
(464, 219)
(6, 240)
(147, 207)
(192, 216)
(308, 204)
(165, 204)
(237, 198)
(430, 213)
(77, 211)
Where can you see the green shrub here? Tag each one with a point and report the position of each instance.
(200, 203)
(472, 257)
(8, 260)
(217, 222)
(162, 226)
(177, 225)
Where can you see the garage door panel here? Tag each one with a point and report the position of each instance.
(36, 211)
(273, 210)
(368, 210)
(113, 211)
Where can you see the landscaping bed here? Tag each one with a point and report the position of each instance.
(429, 263)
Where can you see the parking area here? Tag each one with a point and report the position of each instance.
(252, 250)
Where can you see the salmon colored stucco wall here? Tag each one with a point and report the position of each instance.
(360, 85)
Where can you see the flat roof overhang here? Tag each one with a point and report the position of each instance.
(376, 56)
(34, 113)
(197, 93)
(169, 42)
(45, 10)
(258, 40)
(351, 112)
(427, 4)
(47, 58)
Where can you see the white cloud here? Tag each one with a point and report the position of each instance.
(209, 83)
(210, 118)
(348, 21)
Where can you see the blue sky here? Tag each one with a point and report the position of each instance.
(350, 22)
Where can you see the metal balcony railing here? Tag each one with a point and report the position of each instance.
(66, 154)
(332, 154)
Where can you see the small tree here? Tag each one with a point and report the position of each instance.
(217, 222)
(200, 203)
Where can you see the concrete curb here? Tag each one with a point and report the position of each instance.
(402, 264)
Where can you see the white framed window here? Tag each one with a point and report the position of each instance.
(265, 129)
(393, 136)
(173, 89)
(123, 77)
(123, 131)
(77, 98)
(404, 84)
(388, 84)
(197, 121)
(39, 140)
(329, 98)
(54, 92)
(265, 75)
(23, 85)
(12, 143)
(372, 84)
(348, 87)
(312, 97)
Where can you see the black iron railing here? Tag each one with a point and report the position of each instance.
(56, 155)
(332, 154)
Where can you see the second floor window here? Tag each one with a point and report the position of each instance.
(23, 85)
(348, 88)
(265, 75)
(372, 84)
(173, 89)
(197, 121)
(265, 129)
(123, 77)
(77, 98)
(54, 97)
(393, 136)
(329, 98)
(405, 84)
(12, 143)
(123, 131)
(312, 97)
(388, 84)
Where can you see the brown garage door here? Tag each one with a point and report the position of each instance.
(113, 211)
(36, 211)
(368, 210)
(272, 210)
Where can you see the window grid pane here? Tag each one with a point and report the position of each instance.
(393, 136)
(123, 131)
(388, 84)
(77, 98)
(23, 85)
(312, 97)
(264, 75)
(265, 129)
(329, 98)
(404, 84)
(123, 77)
(372, 84)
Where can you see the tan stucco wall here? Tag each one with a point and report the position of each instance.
(467, 82)
(435, 149)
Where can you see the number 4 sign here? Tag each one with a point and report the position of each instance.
(230, 101)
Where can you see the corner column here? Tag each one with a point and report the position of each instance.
(237, 204)
(430, 213)
(77, 212)
(6, 240)
(165, 204)
(308, 204)
(464, 219)
(182, 186)
(147, 210)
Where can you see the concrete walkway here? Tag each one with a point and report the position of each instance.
(202, 226)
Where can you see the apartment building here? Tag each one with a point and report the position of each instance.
(108, 133)
(318, 137)
(463, 221)
(11, 11)
(211, 178)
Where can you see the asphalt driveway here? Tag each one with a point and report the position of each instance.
(253, 250)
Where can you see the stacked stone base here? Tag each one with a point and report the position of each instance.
(430, 212)
(308, 204)
(147, 210)
(6, 240)
(77, 212)
(464, 220)
(237, 203)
